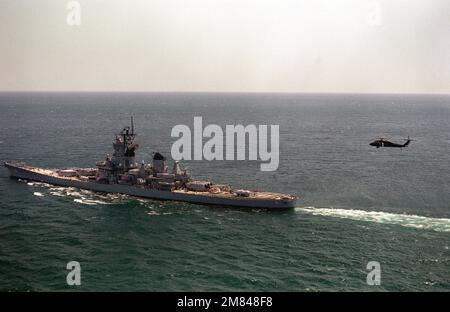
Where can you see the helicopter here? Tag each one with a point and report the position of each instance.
(383, 142)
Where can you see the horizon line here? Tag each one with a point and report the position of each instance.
(228, 92)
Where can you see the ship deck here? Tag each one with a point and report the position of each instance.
(253, 195)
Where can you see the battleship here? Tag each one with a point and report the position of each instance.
(120, 173)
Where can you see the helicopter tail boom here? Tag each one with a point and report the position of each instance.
(407, 142)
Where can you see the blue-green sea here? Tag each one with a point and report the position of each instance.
(356, 203)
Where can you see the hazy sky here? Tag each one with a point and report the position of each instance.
(392, 46)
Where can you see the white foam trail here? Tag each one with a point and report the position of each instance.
(42, 184)
(85, 202)
(82, 196)
(419, 222)
(96, 201)
(58, 188)
(59, 194)
(74, 194)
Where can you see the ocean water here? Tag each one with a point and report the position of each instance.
(357, 203)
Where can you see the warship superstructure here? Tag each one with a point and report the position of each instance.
(120, 173)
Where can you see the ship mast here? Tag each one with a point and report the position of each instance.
(124, 149)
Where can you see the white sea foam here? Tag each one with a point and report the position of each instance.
(414, 221)
(86, 201)
(59, 194)
(83, 197)
(41, 184)
(58, 188)
(74, 194)
(38, 194)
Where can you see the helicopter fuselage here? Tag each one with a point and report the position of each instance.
(386, 143)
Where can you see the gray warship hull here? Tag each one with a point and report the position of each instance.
(44, 175)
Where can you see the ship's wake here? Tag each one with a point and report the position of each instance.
(86, 197)
(80, 196)
(413, 221)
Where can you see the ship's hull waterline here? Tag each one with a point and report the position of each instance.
(27, 174)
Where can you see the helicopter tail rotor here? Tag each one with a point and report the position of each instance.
(408, 140)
